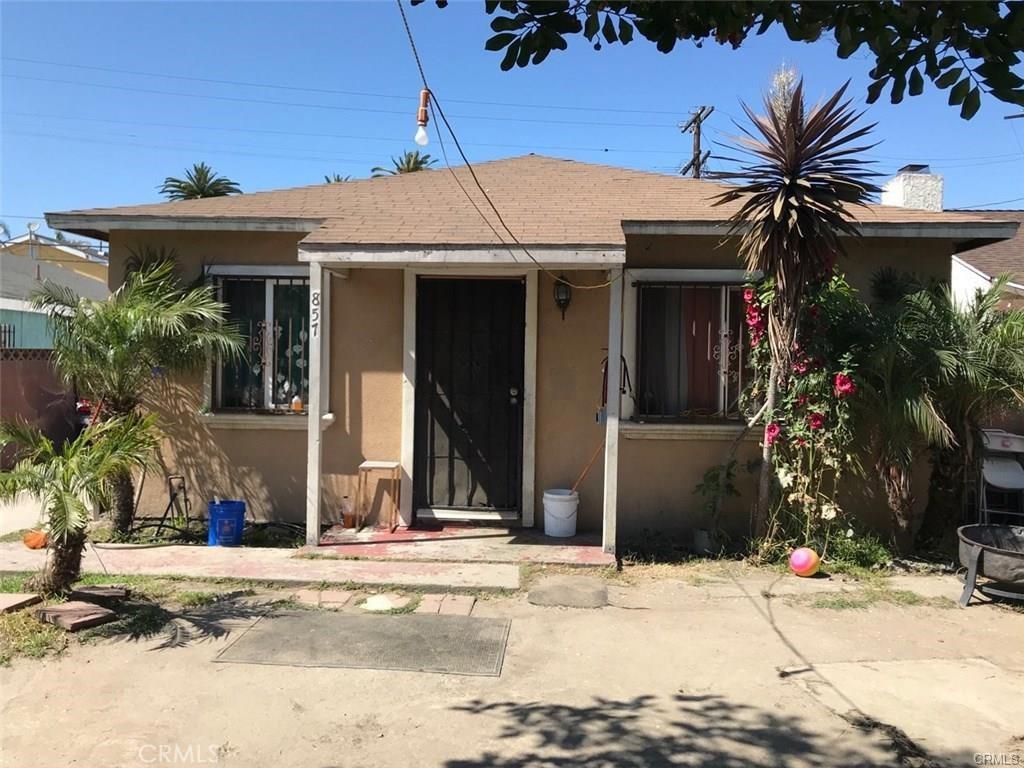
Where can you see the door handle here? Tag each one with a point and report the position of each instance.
(513, 395)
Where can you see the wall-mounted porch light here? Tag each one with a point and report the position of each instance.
(563, 294)
(422, 118)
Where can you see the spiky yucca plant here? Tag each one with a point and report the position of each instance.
(200, 181)
(66, 478)
(799, 179)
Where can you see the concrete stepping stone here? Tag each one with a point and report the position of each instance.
(570, 592)
(457, 605)
(382, 603)
(310, 597)
(15, 601)
(430, 603)
(75, 615)
(101, 594)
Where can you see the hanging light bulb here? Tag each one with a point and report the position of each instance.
(422, 117)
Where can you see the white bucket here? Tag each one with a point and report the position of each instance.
(560, 506)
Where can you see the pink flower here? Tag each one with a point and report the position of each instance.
(800, 366)
(816, 420)
(844, 385)
(801, 442)
(755, 336)
(801, 399)
(748, 295)
(754, 318)
(771, 433)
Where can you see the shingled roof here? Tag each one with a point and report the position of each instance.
(543, 200)
(1003, 257)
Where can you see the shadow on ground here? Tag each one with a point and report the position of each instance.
(143, 620)
(647, 732)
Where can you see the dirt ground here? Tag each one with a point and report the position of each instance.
(725, 668)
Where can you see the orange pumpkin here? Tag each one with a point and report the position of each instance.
(35, 539)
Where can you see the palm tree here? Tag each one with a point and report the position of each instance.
(200, 181)
(796, 188)
(982, 348)
(408, 162)
(898, 409)
(115, 350)
(335, 178)
(66, 478)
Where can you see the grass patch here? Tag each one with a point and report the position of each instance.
(22, 634)
(15, 581)
(872, 595)
(191, 598)
(7, 538)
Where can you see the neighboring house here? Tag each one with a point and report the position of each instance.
(976, 269)
(412, 330)
(25, 262)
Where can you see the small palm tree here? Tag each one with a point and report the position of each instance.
(67, 478)
(982, 350)
(408, 162)
(200, 181)
(336, 178)
(115, 350)
(898, 409)
(802, 176)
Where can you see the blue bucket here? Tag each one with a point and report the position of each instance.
(227, 520)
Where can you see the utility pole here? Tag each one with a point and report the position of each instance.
(699, 159)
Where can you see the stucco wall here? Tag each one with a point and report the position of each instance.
(657, 478)
(267, 468)
(569, 355)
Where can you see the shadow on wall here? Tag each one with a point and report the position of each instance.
(224, 463)
(647, 732)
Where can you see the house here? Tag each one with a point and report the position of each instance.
(976, 269)
(25, 262)
(973, 269)
(398, 315)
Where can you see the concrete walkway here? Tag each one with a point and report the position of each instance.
(273, 565)
(466, 544)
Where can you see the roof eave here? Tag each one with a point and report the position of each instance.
(99, 226)
(966, 234)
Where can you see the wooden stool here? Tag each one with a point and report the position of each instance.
(363, 507)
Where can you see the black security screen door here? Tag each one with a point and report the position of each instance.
(469, 393)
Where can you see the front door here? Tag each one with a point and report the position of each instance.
(469, 396)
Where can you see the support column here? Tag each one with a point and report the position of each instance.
(315, 408)
(611, 439)
(408, 393)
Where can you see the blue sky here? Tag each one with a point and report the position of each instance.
(76, 137)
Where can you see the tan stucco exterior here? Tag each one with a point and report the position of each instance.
(656, 477)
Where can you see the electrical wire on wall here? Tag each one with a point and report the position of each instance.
(435, 103)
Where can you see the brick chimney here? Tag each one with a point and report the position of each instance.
(914, 186)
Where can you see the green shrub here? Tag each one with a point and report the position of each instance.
(857, 551)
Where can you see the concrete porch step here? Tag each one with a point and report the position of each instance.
(276, 565)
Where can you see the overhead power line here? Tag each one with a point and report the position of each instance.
(332, 91)
(308, 105)
(72, 116)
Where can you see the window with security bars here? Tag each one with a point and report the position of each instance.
(691, 351)
(272, 315)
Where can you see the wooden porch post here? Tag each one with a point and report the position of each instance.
(315, 408)
(611, 440)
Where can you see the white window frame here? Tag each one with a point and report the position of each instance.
(271, 275)
(630, 306)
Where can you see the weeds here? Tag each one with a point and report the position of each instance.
(22, 634)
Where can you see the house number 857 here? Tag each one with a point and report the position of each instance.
(314, 313)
